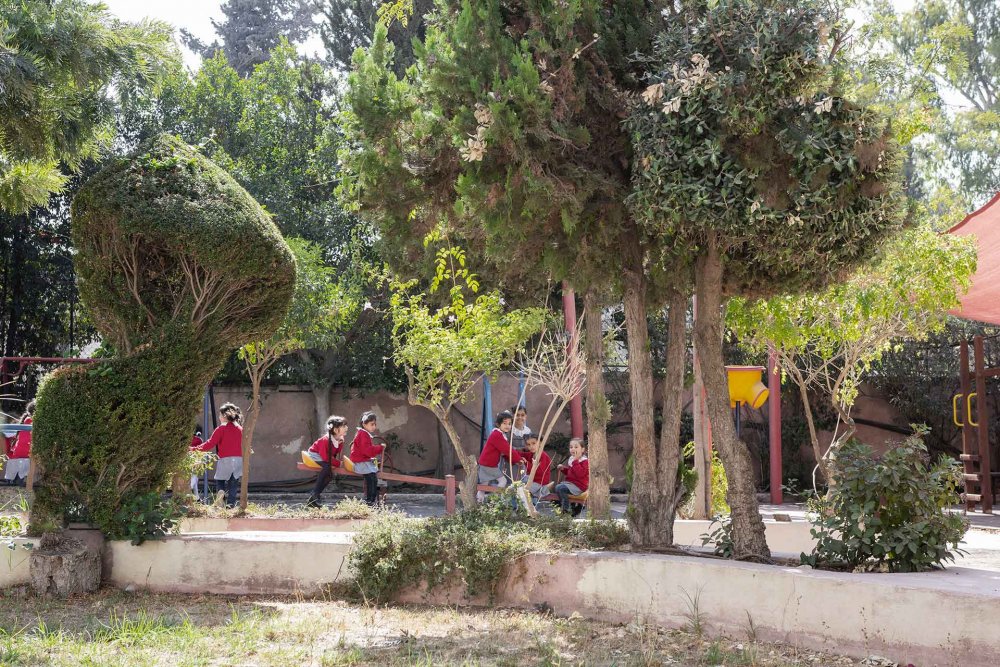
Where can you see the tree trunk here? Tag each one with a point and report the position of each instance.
(467, 487)
(649, 520)
(747, 526)
(446, 454)
(598, 411)
(673, 406)
(321, 405)
(252, 414)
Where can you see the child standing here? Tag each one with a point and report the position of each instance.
(497, 449)
(538, 485)
(326, 452)
(520, 430)
(19, 455)
(577, 476)
(229, 439)
(364, 453)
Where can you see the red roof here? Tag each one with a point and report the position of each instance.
(982, 301)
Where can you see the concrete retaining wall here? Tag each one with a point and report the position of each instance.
(935, 618)
(289, 525)
(14, 562)
(239, 563)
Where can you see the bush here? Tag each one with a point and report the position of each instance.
(177, 265)
(473, 547)
(888, 514)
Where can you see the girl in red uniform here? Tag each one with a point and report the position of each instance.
(538, 486)
(196, 443)
(229, 439)
(19, 454)
(364, 454)
(577, 472)
(497, 449)
(326, 452)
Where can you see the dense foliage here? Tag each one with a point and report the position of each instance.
(178, 265)
(888, 513)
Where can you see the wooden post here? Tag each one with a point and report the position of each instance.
(449, 494)
(983, 430)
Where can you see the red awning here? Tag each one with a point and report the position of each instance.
(982, 302)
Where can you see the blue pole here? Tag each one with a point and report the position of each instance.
(522, 400)
(487, 412)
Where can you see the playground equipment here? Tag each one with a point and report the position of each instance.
(976, 460)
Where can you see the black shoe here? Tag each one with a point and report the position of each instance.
(575, 511)
(313, 503)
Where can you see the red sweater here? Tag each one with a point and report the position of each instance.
(544, 473)
(363, 449)
(328, 449)
(228, 438)
(195, 443)
(22, 444)
(577, 472)
(498, 447)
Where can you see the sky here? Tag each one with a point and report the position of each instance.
(197, 15)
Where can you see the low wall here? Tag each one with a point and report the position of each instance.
(288, 525)
(14, 562)
(268, 562)
(927, 618)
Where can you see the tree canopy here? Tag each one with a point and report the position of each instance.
(63, 64)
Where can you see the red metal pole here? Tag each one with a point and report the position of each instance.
(576, 405)
(774, 424)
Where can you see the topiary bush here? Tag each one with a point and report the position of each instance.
(177, 265)
(890, 513)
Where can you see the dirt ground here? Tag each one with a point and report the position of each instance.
(116, 628)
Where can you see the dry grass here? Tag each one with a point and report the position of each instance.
(113, 628)
(349, 508)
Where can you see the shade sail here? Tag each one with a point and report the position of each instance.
(982, 301)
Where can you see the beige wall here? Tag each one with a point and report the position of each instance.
(287, 425)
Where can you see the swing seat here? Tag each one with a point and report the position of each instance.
(582, 498)
(308, 461)
(347, 463)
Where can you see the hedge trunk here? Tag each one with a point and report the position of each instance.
(749, 542)
(599, 495)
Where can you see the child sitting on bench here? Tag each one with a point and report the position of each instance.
(496, 449)
(364, 454)
(538, 486)
(577, 476)
(326, 452)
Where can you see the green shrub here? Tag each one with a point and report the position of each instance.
(145, 517)
(177, 265)
(473, 547)
(888, 514)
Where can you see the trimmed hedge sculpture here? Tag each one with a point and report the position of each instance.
(177, 265)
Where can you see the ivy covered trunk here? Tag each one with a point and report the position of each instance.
(650, 514)
(598, 411)
(747, 525)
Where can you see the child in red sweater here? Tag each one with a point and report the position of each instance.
(326, 452)
(538, 485)
(229, 439)
(19, 453)
(496, 449)
(195, 446)
(577, 476)
(364, 455)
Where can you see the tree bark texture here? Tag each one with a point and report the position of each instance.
(599, 493)
(466, 487)
(673, 405)
(749, 542)
(252, 414)
(650, 498)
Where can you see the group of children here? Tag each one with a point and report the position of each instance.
(326, 451)
(18, 451)
(512, 443)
